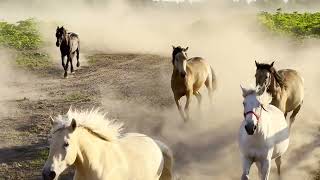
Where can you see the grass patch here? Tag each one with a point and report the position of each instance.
(41, 158)
(92, 60)
(33, 60)
(77, 97)
(299, 25)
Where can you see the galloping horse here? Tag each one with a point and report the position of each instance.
(99, 151)
(69, 45)
(264, 134)
(188, 76)
(285, 86)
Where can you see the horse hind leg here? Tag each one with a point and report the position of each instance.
(168, 161)
(71, 62)
(294, 114)
(209, 84)
(78, 62)
(278, 163)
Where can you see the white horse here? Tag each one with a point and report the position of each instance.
(99, 151)
(264, 134)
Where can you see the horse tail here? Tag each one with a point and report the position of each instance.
(167, 172)
(214, 80)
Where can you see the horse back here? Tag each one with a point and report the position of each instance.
(294, 87)
(143, 154)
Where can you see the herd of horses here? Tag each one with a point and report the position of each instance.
(98, 149)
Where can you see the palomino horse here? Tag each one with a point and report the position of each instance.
(69, 45)
(285, 86)
(264, 134)
(99, 151)
(188, 76)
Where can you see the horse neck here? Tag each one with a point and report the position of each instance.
(263, 123)
(86, 162)
(65, 39)
(273, 85)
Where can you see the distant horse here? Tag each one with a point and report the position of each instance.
(99, 151)
(69, 43)
(264, 134)
(285, 86)
(188, 76)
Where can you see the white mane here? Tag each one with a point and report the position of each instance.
(93, 120)
(264, 98)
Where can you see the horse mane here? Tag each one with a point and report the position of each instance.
(94, 120)
(176, 50)
(279, 79)
(263, 97)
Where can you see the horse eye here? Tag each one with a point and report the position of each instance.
(66, 144)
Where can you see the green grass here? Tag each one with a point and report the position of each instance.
(92, 60)
(298, 25)
(77, 97)
(33, 60)
(40, 160)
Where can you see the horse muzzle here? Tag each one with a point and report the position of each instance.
(250, 128)
(48, 175)
(183, 74)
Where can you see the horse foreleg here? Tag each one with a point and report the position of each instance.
(294, 114)
(186, 108)
(265, 169)
(246, 165)
(62, 62)
(199, 97)
(67, 67)
(176, 99)
(278, 163)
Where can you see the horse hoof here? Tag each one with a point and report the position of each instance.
(72, 72)
(78, 64)
(65, 75)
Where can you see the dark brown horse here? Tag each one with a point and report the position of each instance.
(285, 86)
(69, 44)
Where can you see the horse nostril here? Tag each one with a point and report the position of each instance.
(52, 174)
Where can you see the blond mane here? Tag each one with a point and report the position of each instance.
(93, 120)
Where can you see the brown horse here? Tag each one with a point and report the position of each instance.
(188, 76)
(285, 86)
(69, 44)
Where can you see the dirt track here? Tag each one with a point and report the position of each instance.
(125, 77)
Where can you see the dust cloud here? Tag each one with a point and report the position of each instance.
(230, 39)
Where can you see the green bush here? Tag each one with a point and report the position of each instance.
(24, 35)
(300, 25)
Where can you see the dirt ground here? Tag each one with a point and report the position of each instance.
(125, 77)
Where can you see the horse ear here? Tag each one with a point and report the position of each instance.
(186, 49)
(272, 64)
(173, 47)
(57, 27)
(244, 91)
(73, 124)
(257, 64)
